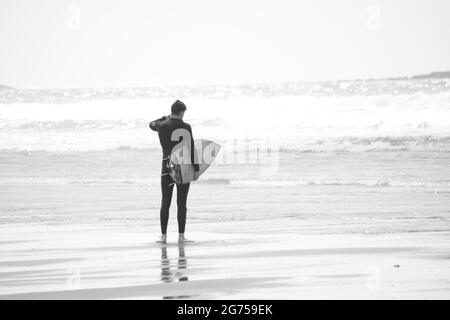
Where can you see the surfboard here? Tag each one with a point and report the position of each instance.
(182, 171)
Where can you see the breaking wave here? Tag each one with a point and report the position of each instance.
(345, 116)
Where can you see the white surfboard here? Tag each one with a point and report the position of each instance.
(182, 171)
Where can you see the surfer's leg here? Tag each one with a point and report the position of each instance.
(182, 193)
(166, 191)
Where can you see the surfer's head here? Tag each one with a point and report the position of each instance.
(178, 108)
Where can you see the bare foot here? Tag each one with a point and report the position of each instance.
(182, 239)
(163, 239)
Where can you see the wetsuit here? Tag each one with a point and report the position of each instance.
(165, 126)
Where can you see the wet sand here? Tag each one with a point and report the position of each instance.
(233, 260)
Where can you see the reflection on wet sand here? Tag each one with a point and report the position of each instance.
(169, 275)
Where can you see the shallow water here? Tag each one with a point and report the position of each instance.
(343, 157)
(338, 193)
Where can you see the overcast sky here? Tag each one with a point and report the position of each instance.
(62, 43)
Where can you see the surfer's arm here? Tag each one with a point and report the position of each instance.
(193, 154)
(154, 125)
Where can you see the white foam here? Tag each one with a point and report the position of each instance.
(317, 123)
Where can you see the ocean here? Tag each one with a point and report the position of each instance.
(362, 156)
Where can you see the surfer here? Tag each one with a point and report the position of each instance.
(165, 127)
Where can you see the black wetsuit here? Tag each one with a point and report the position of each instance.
(165, 126)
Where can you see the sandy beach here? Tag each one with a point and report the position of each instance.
(92, 262)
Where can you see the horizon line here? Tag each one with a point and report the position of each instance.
(433, 74)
